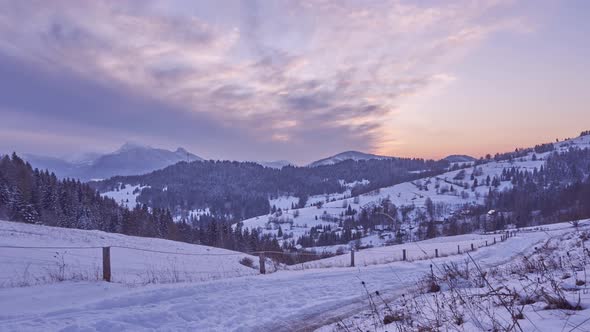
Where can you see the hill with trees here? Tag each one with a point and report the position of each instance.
(234, 191)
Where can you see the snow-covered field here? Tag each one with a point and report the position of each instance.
(164, 260)
(446, 246)
(285, 300)
(284, 202)
(126, 195)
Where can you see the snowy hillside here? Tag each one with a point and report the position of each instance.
(451, 193)
(348, 155)
(125, 195)
(133, 259)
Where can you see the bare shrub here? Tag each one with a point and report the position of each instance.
(247, 261)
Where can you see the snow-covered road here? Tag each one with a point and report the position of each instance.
(282, 301)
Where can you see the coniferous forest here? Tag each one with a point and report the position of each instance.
(39, 197)
(238, 190)
(558, 191)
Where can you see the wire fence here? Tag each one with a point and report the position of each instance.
(128, 264)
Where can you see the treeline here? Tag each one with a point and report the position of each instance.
(35, 196)
(559, 191)
(39, 197)
(235, 191)
(326, 236)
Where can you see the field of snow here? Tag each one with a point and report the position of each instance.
(413, 193)
(126, 196)
(414, 251)
(284, 202)
(165, 261)
(287, 202)
(285, 300)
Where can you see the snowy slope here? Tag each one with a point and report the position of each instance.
(286, 300)
(408, 194)
(36, 266)
(125, 195)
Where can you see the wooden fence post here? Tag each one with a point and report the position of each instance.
(494, 240)
(262, 262)
(486, 243)
(472, 248)
(458, 250)
(436, 253)
(106, 264)
(404, 254)
(352, 257)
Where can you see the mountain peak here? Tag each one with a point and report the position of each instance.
(459, 158)
(346, 155)
(181, 150)
(131, 146)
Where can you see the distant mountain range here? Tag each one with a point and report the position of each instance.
(348, 155)
(356, 156)
(136, 159)
(130, 159)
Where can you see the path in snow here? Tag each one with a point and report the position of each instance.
(283, 301)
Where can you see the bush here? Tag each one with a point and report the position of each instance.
(247, 261)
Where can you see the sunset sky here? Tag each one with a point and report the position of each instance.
(295, 80)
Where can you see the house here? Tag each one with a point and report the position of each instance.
(381, 228)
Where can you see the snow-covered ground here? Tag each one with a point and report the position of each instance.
(285, 300)
(446, 246)
(547, 290)
(165, 261)
(284, 202)
(125, 195)
(288, 202)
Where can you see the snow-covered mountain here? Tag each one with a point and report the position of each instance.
(459, 158)
(348, 155)
(278, 164)
(129, 159)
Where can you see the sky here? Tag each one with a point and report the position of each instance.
(294, 80)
